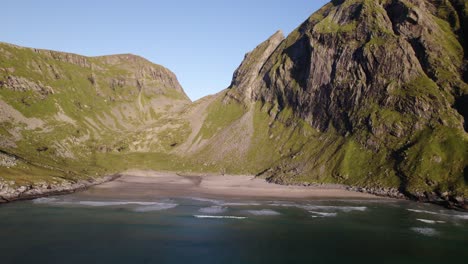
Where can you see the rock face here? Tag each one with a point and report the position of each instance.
(245, 79)
(386, 76)
(354, 56)
(152, 78)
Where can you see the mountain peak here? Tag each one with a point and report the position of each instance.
(278, 35)
(245, 77)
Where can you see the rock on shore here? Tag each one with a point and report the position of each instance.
(9, 192)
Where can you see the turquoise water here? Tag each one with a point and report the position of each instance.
(192, 230)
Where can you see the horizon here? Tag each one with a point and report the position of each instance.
(153, 30)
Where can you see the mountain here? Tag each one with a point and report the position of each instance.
(59, 111)
(363, 93)
(370, 94)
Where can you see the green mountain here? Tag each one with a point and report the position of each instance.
(370, 94)
(60, 112)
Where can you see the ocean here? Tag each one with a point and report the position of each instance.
(68, 229)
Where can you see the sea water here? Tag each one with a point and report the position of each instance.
(67, 229)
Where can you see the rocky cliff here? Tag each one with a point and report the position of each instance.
(387, 78)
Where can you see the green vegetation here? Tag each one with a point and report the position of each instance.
(328, 26)
(436, 160)
(219, 116)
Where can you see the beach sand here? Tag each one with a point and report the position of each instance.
(135, 184)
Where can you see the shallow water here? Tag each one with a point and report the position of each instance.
(196, 230)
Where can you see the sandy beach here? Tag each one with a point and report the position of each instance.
(152, 184)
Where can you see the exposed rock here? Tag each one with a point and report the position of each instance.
(379, 191)
(22, 84)
(246, 77)
(146, 76)
(9, 192)
(7, 161)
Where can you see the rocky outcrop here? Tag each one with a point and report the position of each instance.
(21, 84)
(9, 191)
(7, 161)
(152, 78)
(246, 77)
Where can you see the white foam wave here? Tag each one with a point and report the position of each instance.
(264, 212)
(458, 216)
(213, 201)
(345, 209)
(430, 221)
(310, 207)
(283, 204)
(156, 207)
(45, 200)
(425, 231)
(241, 204)
(322, 214)
(114, 203)
(423, 211)
(213, 210)
(219, 217)
(465, 216)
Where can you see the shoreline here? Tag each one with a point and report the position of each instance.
(140, 184)
(22, 193)
(147, 183)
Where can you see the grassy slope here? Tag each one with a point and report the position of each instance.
(101, 114)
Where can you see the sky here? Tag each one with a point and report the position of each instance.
(202, 42)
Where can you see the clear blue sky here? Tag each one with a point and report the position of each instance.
(202, 41)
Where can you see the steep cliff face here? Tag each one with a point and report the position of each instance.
(355, 55)
(385, 79)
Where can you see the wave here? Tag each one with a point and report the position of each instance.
(213, 210)
(345, 209)
(283, 204)
(241, 204)
(310, 207)
(425, 231)
(423, 211)
(224, 203)
(114, 203)
(45, 200)
(458, 216)
(322, 214)
(213, 201)
(142, 206)
(430, 221)
(155, 207)
(264, 212)
(220, 217)
(465, 216)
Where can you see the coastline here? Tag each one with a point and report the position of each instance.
(140, 184)
(146, 184)
(8, 194)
